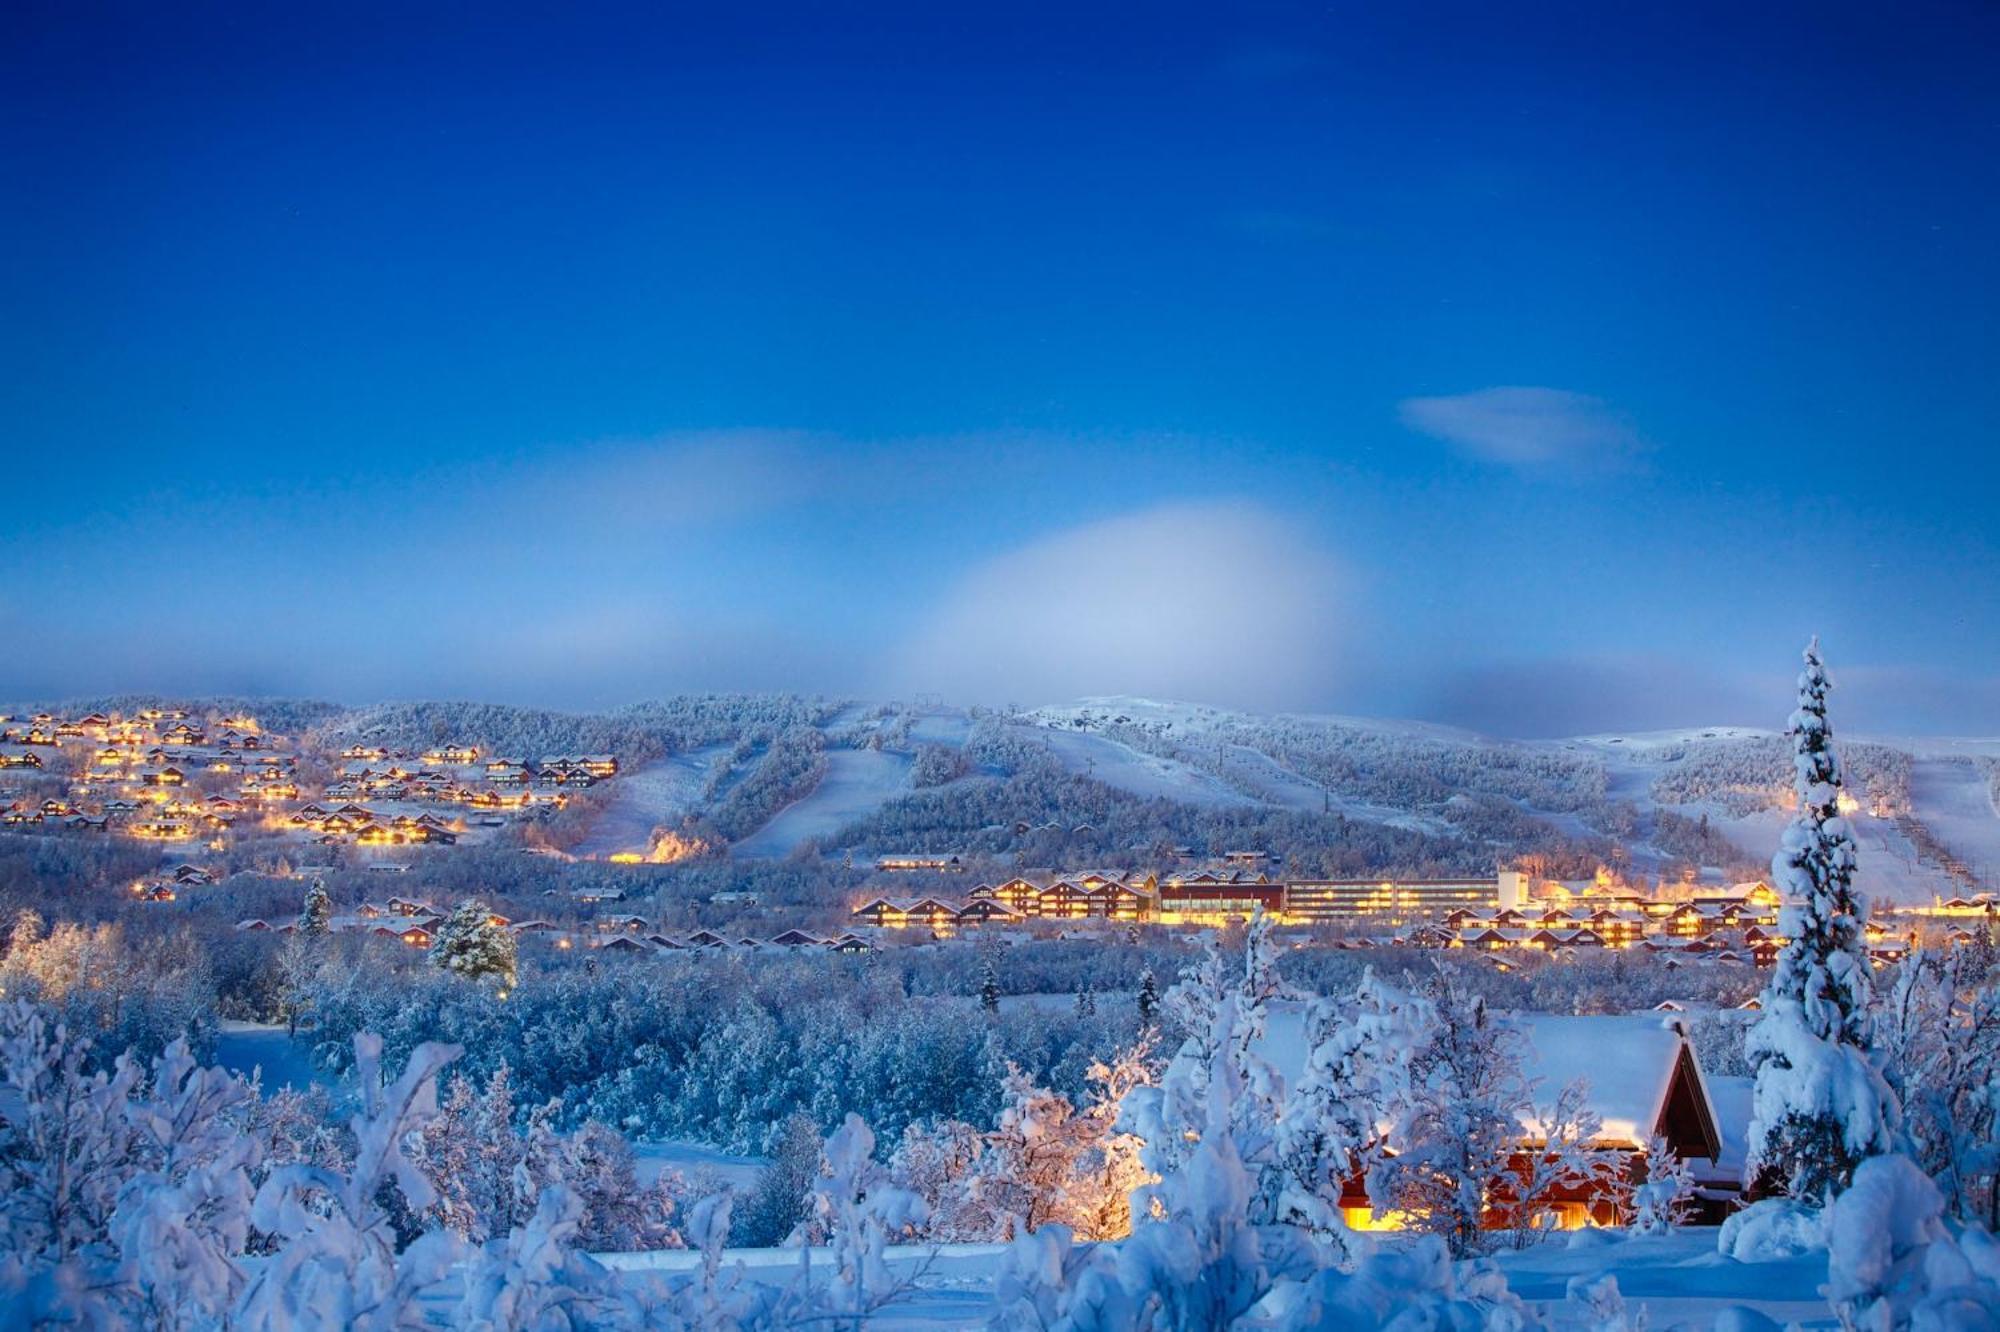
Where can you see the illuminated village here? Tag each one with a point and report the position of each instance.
(1510, 912)
(162, 775)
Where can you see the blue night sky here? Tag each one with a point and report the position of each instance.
(1541, 369)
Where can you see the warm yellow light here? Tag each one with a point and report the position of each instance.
(1365, 1218)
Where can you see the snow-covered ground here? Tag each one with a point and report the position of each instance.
(280, 1060)
(1956, 800)
(857, 783)
(1678, 1280)
(692, 1159)
(1145, 775)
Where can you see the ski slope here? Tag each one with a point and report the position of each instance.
(650, 797)
(857, 783)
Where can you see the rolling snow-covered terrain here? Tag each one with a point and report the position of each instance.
(1714, 798)
(1109, 782)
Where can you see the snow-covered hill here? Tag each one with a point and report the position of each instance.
(1716, 797)
(1119, 781)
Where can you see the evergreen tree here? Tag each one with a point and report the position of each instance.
(470, 944)
(781, 1199)
(1822, 1105)
(989, 987)
(1086, 1000)
(317, 916)
(1149, 999)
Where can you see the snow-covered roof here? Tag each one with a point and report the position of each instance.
(1732, 1099)
(1628, 1061)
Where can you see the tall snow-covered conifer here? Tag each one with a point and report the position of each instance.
(1822, 1105)
(316, 917)
(471, 945)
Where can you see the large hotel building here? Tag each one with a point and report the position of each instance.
(1401, 901)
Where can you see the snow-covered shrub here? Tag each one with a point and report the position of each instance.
(860, 1212)
(1033, 1158)
(1940, 1035)
(124, 1196)
(1565, 1159)
(337, 1259)
(1961, 1284)
(1877, 1232)
(1599, 1306)
(1771, 1230)
(937, 1162)
(1665, 1197)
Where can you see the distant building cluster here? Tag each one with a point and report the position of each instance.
(159, 775)
(1217, 896)
(1505, 912)
(166, 775)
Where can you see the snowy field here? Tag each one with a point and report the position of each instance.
(1676, 1281)
(267, 1052)
(693, 1160)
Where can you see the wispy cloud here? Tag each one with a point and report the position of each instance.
(1529, 429)
(1229, 603)
(704, 478)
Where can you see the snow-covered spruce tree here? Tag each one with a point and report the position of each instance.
(1822, 1105)
(1357, 1064)
(989, 987)
(778, 1203)
(469, 944)
(1320, 1135)
(1169, 1116)
(1201, 1262)
(1298, 1145)
(300, 959)
(1149, 998)
(316, 916)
